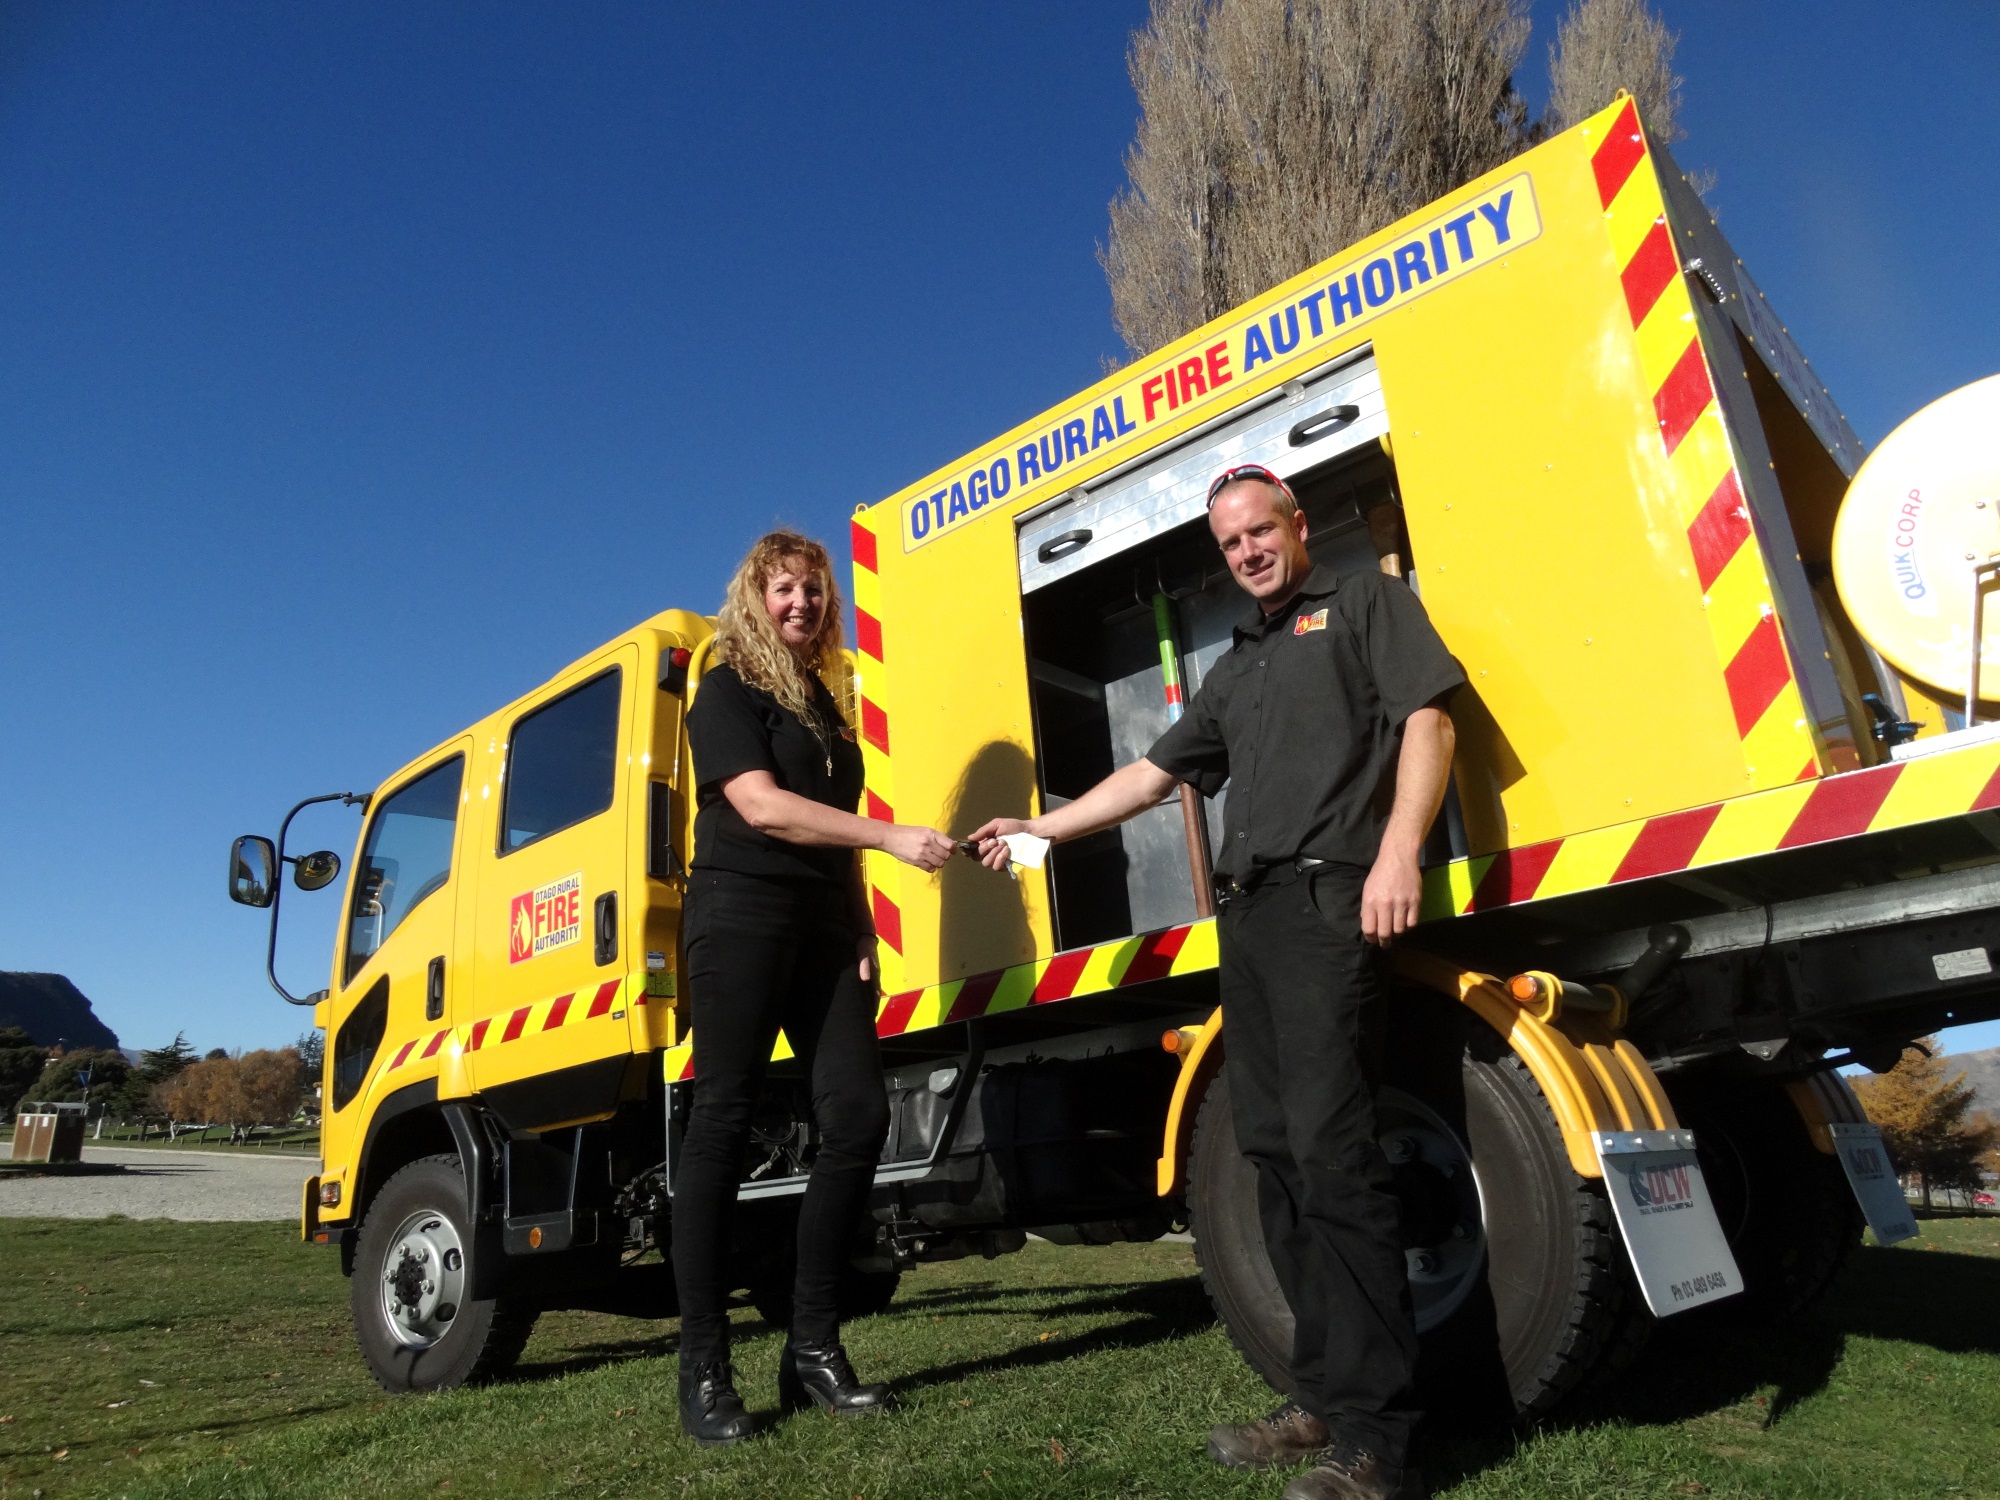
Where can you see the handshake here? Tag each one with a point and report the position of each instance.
(1000, 844)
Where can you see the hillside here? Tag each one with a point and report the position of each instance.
(1982, 1071)
(51, 1009)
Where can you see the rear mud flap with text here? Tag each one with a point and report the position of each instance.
(1876, 1189)
(1668, 1219)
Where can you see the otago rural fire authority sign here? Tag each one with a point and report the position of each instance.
(1668, 1219)
(550, 916)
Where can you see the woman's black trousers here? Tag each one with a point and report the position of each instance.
(764, 954)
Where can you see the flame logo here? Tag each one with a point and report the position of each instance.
(521, 929)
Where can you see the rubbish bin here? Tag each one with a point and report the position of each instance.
(48, 1132)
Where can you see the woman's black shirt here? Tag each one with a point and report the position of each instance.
(734, 728)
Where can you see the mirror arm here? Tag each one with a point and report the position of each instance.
(346, 799)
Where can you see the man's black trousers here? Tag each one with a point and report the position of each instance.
(762, 954)
(1302, 997)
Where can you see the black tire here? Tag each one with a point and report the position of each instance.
(445, 1339)
(1546, 1302)
(1784, 1205)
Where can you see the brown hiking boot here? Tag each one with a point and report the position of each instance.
(1350, 1472)
(1289, 1435)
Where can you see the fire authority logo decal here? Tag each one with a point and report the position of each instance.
(550, 916)
(1305, 624)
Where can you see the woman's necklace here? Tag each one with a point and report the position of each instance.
(817, 727)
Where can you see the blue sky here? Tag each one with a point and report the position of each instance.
(364, 364)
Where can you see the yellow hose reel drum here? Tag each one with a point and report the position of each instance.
(1916, 547)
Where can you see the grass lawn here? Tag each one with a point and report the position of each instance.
(156, 1359)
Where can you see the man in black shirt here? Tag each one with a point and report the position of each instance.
(1326, 718)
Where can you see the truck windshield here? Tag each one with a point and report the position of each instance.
(407, 856)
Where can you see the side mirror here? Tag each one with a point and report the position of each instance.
(253, 871)
(312, 872)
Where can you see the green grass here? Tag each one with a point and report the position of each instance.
(154, 1359)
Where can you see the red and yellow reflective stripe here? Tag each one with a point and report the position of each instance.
(1792, 816)
(552, 1014)
(878, 801)
(1901, 795)
(1130, 961)
(1736, 593)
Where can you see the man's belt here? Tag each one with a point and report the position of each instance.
(1228, 887)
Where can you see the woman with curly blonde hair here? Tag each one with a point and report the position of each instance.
(778, 935)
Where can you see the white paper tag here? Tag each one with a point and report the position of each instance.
(1026, 849)
(1866, 1162)
(1966, 963)
(1668, 1219)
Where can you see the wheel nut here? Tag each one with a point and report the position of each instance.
(1422, 1263)
(429, 1288)
(1399, 1148)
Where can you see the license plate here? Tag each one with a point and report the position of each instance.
(1874, 1182)
(1668, 1219)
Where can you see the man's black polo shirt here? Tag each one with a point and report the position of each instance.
(1303, 717)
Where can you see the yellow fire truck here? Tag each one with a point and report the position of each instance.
(1715, 828)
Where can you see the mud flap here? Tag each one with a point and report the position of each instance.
(1876, 1189)
(1667, 1218)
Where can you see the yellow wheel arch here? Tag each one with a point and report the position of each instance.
(1593, 1079)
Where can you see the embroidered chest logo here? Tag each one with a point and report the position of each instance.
(1306, 624)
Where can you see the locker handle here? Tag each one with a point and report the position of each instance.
(1062, 546)
(607, 928)
(1311, 429)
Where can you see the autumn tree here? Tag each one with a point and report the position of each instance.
(1923, 1111)
(257, 1088)
(1274, 133)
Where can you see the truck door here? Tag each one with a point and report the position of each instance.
(551, 1043)
(392, 969)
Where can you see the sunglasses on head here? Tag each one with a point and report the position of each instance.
(1247, 471)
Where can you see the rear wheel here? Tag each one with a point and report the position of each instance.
(418, 1326)
(1515, 1273)
(1784, 1205)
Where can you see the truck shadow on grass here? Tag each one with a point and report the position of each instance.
(1148, 1312)
(1717, 1358)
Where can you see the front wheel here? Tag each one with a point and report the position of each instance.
(1515, 1275)
(419, 1327)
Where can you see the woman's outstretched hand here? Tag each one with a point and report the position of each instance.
(925, 848)
(992, 852)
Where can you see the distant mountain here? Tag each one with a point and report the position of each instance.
(1982, 1071)
(51, 1009)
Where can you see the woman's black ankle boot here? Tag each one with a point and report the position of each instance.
(711, 1411)
(819, 1375)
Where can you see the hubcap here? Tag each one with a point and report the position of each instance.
(423, 1279)
(1444, 1231)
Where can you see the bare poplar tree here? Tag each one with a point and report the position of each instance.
(1605, 45)
(1273, 133)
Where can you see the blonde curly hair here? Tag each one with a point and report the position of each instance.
(747, 639)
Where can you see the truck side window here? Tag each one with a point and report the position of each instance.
(407, 856)
(562, 763)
